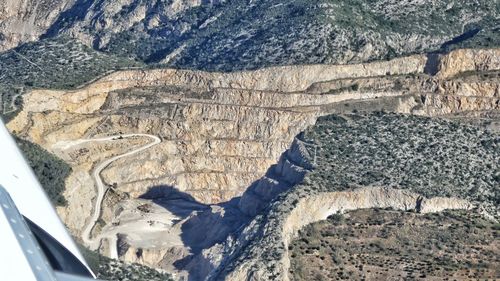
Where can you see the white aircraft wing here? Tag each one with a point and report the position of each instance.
(18, 182)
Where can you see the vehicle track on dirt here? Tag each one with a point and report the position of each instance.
(93, 243)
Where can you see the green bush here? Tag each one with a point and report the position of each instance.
(110, 269)
(49, 169)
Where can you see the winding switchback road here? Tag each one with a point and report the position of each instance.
(101, 188)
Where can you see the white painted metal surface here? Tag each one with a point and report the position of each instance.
(24, 259)
(20, 182)
(13, 263)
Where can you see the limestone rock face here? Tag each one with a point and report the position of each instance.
(220, 131)
(237, 35)
(221, 134)
(319, 207)
(468, 60)
(26, 20)
(109, 18)
(81, 190)
(293, 165)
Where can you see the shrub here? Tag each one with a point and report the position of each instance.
(49, 169)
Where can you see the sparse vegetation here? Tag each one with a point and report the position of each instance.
(429, 156)
(49, 169)
(232, 35)
(374, 244)
(252, 36)
(56, 63)
(433, 157)
(115, 270)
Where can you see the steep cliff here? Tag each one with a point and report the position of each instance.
(26, 20)
(174, 205)
(468, 60)
(409, 156)
(221, 131)
(319, 207)
(238, 34)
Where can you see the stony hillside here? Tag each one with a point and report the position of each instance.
(241, 34)
(202, 136)
(59, 63)
(387, 244)
(177, 206)
(26, 20)
(355, 154)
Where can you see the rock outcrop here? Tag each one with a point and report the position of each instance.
(319, 207)
(26, 20)
(222, 130)
(404, 154)
(236, 35)
(290, 170)
(220, 133)
(465, 60)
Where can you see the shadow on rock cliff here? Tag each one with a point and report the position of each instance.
(432, 64)
(77, 12)
(175, 201)
(203, 226)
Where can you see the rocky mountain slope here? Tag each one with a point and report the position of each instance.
(26, 20)
(58, 63)
(242, 34)
(232, 111)
(349, 175)
(176, 205)
(387, 244)
(233, 94)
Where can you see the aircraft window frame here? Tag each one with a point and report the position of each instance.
(60, 258)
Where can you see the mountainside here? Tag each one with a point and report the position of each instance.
(241, 34)
(387, 244)
(60, 63)
(26, 20)
(188, 204)
(57, 63)
(369, 161)
(210, 139)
